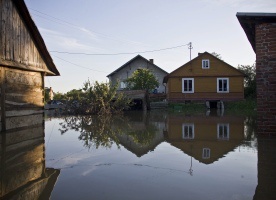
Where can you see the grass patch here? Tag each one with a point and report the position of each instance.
(187, 107)
(247, 106)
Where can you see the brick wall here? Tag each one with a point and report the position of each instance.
(266, 77)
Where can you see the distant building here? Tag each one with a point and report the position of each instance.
(260, 29)
(138, 62)
(24, 61)
(205, 78)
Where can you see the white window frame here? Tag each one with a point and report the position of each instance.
(189, 135)
(187, 79)
(222, 79)
(122, 85)
(206, 153)
(225, 131)
(205, 64)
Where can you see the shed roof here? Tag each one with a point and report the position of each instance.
(35, 34)
(136, 57)
(249, 20)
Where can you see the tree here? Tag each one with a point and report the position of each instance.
(101, 99)
(250, 90)
(142, 79)
(217, 55)
(60, 96)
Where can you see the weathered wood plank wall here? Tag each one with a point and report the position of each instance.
(21, 72)
(22, 98)
(17, 48)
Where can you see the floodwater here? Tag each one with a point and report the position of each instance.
(154, 155)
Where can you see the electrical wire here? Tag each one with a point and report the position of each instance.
(78, 65)
(115, 54)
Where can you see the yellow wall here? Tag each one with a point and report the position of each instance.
(205, 80)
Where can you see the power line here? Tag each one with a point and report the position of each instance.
(115, 54)
(79, 65)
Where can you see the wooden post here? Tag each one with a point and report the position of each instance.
(3, 97)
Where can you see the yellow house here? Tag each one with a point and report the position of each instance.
(205, 78)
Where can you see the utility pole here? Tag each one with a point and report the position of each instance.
(190, 47)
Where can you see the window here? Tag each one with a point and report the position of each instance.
(188, 131)
(205, 64)
(187, 85)
(206, 152)
(223, 131)
(122, 85)
(223, 85)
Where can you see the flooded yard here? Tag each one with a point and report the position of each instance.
(154, 155)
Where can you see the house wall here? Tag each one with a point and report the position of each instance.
(266, 76)
(205, 88)
(205, 81)
(138, 63)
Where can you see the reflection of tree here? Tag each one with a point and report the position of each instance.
(104, 131)
(94, 131)
(144, 136)
(250, 131)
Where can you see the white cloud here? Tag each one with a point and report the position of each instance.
(62, 42)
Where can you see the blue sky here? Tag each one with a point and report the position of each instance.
(125, 26)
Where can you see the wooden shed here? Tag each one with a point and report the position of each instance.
(24, 61)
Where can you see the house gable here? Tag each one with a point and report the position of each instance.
(138, 62)
(195, 68)
(21, 44)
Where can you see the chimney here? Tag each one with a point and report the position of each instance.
(199, 54)
(151, 61)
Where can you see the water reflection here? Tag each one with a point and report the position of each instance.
(160, 149)
(205, 138)
(23, 173)
(266, 169)
(135, 132)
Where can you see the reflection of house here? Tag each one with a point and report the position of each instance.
(141, 135)
(138, 62)
(206, 138)
(24, 61)
(260, 29)
(22, 168)
(205, 78)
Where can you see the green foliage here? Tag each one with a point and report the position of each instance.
(74, 94)
(60, 96)
(46, 95)
(241, 106)
(101, 99)
(217, 55)
(250, 88)
(142, 79)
